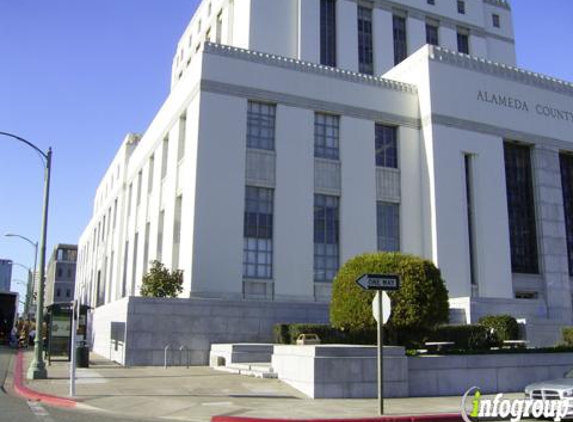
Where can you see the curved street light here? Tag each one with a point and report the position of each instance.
(38, 369)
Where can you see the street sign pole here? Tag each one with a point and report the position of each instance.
(380, 355)
(379, 283)
(73, 351)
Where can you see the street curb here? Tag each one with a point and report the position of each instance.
(21, 389)
(414, 418)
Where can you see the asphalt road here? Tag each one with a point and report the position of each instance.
(15, 409)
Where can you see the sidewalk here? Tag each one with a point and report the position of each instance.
(198, 393)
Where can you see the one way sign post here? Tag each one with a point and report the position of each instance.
(379, 283)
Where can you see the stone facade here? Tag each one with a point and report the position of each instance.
(344, 371)
(135, 330)
(552, 240)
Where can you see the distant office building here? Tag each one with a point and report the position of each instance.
(61, 275)
(5, 275)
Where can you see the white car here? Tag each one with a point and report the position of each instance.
(556, 389)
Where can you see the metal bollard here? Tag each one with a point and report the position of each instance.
(165, 350)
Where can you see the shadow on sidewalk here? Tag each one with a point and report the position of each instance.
(80, 376)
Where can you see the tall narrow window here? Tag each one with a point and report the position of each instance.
(114, 213)
(326, 237)
(469, 171)
(461, 7)
(463, 41)
(150, 170)
(400, 43)
(432, 37)
(520, 205)
(567, 186)
(104, 282)
(160, 228)
(108, 220)
(365, 43)
(129, 195)
(182, 137)
(164, 157)
(146, 248)
(99, 288)
(111, 270)
(386, 146)
(326, 135)
(219, 27)
(388, 226)
(328, 32)
(495, 20)
(139, 183)
(124, 278)
(177, 232)
(258, 233)
(261, 126)
(134, 263)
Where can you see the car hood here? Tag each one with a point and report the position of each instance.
(556, 384)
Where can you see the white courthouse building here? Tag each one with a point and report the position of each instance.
(299, 133)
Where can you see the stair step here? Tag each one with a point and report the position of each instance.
(257, 369)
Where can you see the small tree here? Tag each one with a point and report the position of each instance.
(420, 304)
(160, 282)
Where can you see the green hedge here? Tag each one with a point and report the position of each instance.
(567, 335)
(465, 337)
(288, 333)
(504, 327)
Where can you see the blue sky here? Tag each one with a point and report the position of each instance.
(78, 75)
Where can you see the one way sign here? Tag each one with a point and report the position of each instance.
(379, 282)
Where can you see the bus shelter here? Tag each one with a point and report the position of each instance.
(59, 327)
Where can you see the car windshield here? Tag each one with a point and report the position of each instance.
(569, 374)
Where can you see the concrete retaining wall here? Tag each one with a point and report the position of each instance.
(341, 371)
(344, 371)
(108, 329)
(453, 375)
(151, 324)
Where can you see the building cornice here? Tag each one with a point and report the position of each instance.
(499, 3)
(313, 104)
(307, 67)
(443, 55)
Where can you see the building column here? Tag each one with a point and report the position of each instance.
(382, 40)
(309, 30)
(551, 232)
(347, 35)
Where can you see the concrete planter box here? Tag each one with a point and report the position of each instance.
(341, 371)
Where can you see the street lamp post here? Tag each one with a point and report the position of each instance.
(30, 289)
(38, 369)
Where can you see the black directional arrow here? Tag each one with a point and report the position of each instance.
(379, 281)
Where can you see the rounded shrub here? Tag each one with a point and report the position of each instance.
(420, 304)
(505, 327)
